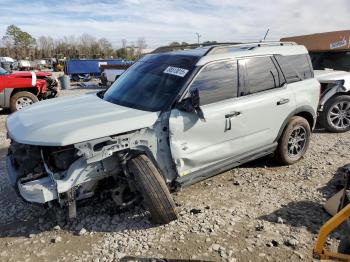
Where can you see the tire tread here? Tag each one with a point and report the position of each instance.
(157, 198)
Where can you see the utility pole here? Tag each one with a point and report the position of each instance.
(198, 36)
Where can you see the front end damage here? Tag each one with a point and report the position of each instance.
(63, 175)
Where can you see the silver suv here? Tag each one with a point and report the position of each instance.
(172, 119)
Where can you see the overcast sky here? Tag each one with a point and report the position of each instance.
(162, 22)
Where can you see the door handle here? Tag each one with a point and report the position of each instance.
(232, 114)
(228, 119)
(283, 101)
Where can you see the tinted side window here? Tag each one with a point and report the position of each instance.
(216, 82)
(261, 75)
(295, 67)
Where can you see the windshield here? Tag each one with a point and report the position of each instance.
(152, 83)
(3, 71)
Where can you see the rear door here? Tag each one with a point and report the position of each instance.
(265, 101)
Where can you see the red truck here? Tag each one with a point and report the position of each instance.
(18, 90)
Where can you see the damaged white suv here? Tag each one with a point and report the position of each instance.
(170, 120)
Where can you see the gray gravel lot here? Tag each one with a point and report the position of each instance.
(257, 212)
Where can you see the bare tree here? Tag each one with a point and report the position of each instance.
(87, 45)
(19, 44)
(141, 46)
(105, 46)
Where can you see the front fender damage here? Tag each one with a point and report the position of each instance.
(67, 174)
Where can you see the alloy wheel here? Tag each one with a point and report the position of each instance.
(339, 115)
(297, 141)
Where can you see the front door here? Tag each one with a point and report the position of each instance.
(240, 116)
(196, 142)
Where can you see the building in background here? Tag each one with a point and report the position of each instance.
(327, 50)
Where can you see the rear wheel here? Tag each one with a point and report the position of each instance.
(21, 100)
(294, 141)
(336, 114)
(151, 185)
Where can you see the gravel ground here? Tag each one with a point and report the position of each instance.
(257, 212)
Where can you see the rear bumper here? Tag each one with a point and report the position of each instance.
(36, 191)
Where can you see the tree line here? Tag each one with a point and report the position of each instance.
(19, 44)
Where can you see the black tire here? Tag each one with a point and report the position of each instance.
(29, 97)
(289, 151)
(156, 196)
(344, 245)
(329, 109)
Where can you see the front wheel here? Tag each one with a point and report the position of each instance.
(21, 100)
(155, 193)
(336, 114)
(294, 141)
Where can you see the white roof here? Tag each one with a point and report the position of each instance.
(7, 59)
(254, 49)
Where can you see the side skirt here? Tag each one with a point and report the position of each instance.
(225, 165)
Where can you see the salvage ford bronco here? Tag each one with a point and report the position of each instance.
(172, 119)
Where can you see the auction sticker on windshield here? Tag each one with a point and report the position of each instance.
(176, 71)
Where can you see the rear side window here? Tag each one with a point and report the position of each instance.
(261, 75)
(216, 82)
(295, 67)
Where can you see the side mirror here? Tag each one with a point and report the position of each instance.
(190, 104)
(195, 100)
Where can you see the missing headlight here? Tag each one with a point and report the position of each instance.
(61, 157)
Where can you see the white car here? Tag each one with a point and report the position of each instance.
(111, 73)
(334, 108)
(172, 119)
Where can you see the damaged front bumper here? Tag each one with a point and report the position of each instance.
(80, 177)
(40, 191)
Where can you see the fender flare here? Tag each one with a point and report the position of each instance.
(331, 93)
(299, 111)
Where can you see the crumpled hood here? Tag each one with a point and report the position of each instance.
(66, 121)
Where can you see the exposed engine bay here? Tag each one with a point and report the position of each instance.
(62, 176)
(44, 174)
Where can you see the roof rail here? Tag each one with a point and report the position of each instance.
(170, 48)
(249, 46)
(215, 46)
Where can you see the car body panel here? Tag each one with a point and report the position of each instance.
(65, 121)
(196, 144)
(21, 80)
(340, 79)
(310, 90)
(328, 76)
